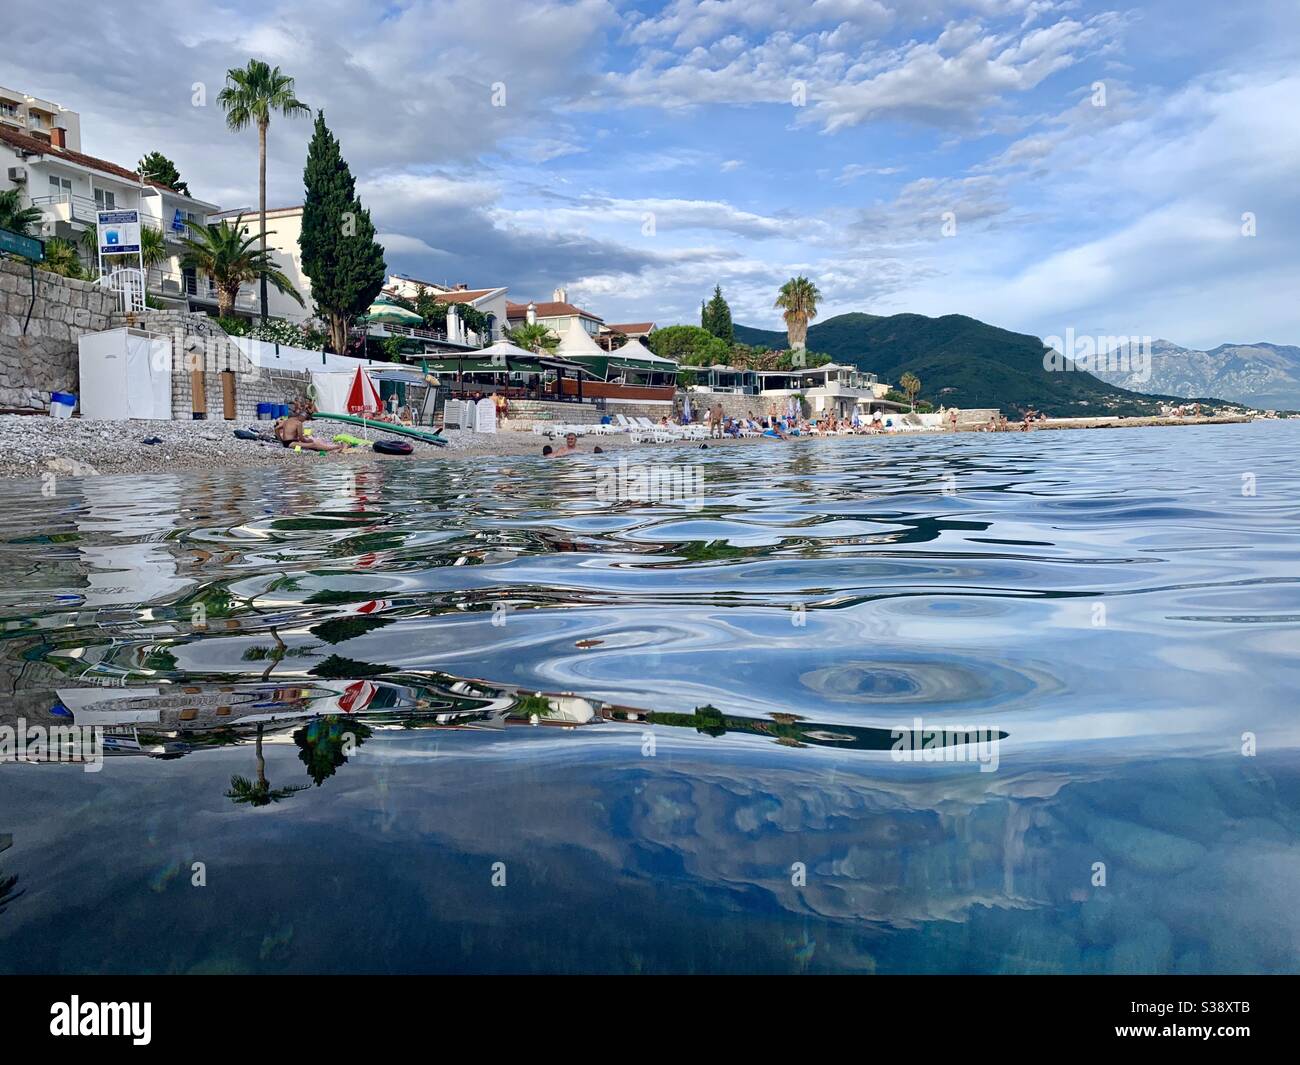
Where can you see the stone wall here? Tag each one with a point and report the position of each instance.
(45, 359)
(199, 342)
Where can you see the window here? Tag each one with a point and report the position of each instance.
(105, 200)
(60, 187)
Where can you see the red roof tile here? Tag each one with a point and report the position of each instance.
(33, 144)
(550, 310)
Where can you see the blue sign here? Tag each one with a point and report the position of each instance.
(178, 223)
(19, 244)
(119, 232)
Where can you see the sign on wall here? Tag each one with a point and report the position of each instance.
(119, 232)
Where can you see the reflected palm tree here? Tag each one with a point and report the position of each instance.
(259, 792)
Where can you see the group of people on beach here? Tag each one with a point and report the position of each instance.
(775, 425)
(998, 423)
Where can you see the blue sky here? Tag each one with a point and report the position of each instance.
(1093, 161)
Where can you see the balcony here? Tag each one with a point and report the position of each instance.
(171, 285)
(67, 208)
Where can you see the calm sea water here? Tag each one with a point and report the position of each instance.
(564, 731)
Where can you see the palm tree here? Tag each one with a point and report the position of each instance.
(798, 299)
(911, 386)
(535, 337)
(228, 257)
(15, 217)
(250, 96)
(61, 258)
(259, 793)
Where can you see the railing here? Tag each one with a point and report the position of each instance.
(172, 285)
(129, 285)
(81, 208)
(413, 331)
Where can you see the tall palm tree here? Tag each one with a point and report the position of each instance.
(798, 299)
(15, 217)
(229, 258)
(250, 97)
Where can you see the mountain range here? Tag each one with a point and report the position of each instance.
(1260, 375)
(963, 362)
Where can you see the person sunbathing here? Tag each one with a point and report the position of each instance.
(291, 432)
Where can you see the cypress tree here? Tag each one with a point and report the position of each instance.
(339, 250)
(716, 317)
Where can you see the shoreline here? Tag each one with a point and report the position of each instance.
(32, 446)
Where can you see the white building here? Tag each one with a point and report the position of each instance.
(555, 315)
(490, 302)
(39, 118)
(69, 188)
(828, 389)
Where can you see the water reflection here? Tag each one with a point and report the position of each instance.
(652, 715)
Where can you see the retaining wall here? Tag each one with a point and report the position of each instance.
(44, 360)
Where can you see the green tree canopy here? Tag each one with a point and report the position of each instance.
(158, 168)
(690, 344)
(339, 250)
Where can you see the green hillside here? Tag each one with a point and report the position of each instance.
(961, 362)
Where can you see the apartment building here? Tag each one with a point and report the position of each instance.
(490, 301)
(69, 188)
(39, 118)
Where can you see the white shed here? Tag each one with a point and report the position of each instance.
(125, 373)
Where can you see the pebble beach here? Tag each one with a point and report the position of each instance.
(33, 445)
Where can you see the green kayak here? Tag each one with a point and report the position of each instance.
(387, 427)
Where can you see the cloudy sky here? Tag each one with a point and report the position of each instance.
(1034, 163)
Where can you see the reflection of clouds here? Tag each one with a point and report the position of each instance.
(127, 558)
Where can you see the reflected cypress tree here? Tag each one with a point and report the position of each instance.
(323, 743)
(337, 667)
(339, 630)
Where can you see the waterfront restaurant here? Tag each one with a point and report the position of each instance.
(631, 374)
(832, 389)
(516, 374)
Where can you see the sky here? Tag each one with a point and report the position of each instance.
(1040, 165)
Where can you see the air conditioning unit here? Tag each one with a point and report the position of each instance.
(18, 174)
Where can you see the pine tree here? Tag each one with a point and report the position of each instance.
(339, 250)
(716, 317)
(157, 167)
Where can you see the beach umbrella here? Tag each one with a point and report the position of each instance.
(357, 696)
(686, 410)
(385, 309)
(362, 396)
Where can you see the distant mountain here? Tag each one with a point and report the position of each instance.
(1259, 375)
(961, 362)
